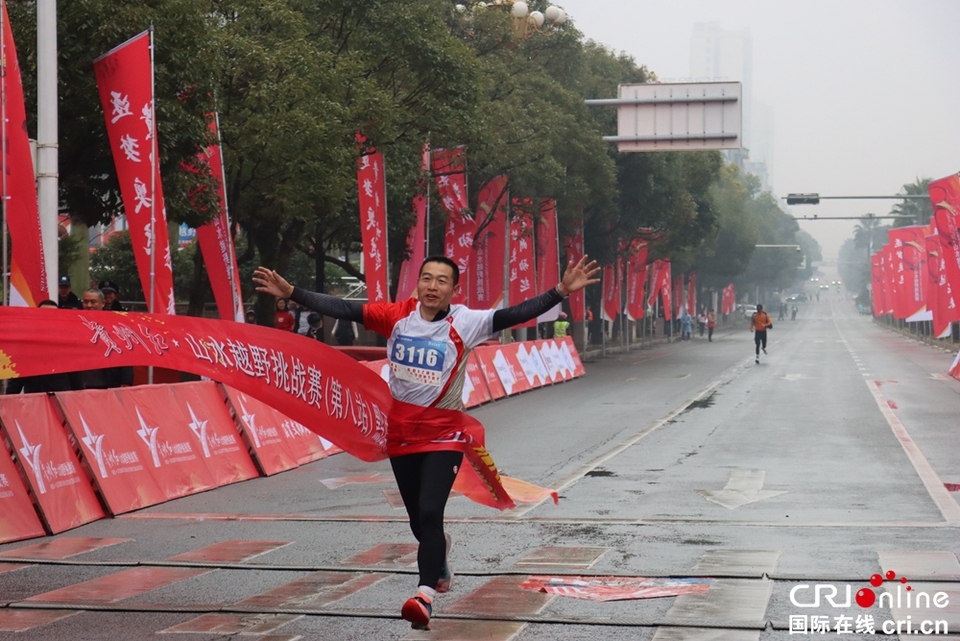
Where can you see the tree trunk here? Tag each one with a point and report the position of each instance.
(199, 286)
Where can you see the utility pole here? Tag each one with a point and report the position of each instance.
(48, 197)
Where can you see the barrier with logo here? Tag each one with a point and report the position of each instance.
(144, 447)
(50, 466)
(275, 441)
(475, 390)
(18, 519)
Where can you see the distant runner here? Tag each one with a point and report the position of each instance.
(759, 324)
(428, 341)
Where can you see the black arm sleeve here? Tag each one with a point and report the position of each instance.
(528, 309)
(329, 305)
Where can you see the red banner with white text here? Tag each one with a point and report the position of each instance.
(521, 256)
(908, 245)
(216, 241)
(574, 247)
(548, 259)
(728, 303)
(28, 281)
(945, 198)
(489, 245)
(679, 296)
(637, 280)
(877, 284)
(416, 243)
(663, 287)
(373, 225)
(940, 299)
(126, 94)
(450, 170)
(313, 383)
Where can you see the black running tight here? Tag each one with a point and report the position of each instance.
(425, 481)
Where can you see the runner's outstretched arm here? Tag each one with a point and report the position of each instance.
(575, 277)
(270, 282)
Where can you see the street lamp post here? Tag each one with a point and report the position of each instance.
(48, 198)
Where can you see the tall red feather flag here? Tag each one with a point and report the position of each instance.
(124, 78)
(27, 272)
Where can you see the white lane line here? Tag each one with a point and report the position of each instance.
(941, 497)
(935, 488)
(603, 458)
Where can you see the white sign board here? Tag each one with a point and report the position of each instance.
(677, 117)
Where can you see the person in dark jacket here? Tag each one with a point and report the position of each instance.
(110, 294)
(65, 296)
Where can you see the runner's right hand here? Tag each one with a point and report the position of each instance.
(270, 282)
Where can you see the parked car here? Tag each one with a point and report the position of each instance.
(748, 310)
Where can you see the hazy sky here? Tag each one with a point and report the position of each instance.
(865, 95)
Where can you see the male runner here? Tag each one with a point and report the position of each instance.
(759, 324)
(428, 341)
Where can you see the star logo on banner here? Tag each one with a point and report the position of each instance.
(199, 429)
(248, 420)
(149, 436)
(94, 443)
(31, 454)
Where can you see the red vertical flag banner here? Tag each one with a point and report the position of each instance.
(490, 245)
(449, 168)
(548, 259)
(416, 243)
(692, 294)
(663, 287)
(216, 242)
(909, 247)
(729, 301)
(126, 93)
(373, 225)
(637, 280)
(28, 282)
(521, 256)
(945, 198)
(889, 279)
(876, 280)
(940, 298)
(574, 247)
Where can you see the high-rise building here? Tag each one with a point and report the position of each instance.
(718, 54)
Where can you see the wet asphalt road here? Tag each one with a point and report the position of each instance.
(835, 458)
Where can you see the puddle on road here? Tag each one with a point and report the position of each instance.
(701, 403)
(600, 472)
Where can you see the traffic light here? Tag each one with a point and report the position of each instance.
(803, 199)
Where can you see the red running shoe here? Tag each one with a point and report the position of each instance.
(417, 611)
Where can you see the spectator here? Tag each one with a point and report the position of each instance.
(314, 326)
(345, 333)
(65, 296)
(711, 323)
(686, 325)
(110, 294)
(701, 321)
(561, 326)
(300, 324)
(250, 317)
(285, 320)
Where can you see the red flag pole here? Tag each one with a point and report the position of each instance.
(153, 189)
(153, 182)
(231, 266)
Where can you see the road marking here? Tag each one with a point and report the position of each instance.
(945, 503)
(630, 442)
(743, 487)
